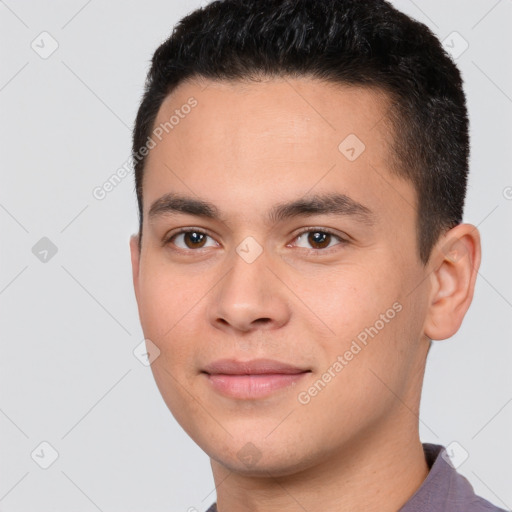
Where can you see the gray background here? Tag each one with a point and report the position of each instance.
(68, 320)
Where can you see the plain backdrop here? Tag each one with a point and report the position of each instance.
(71, 79)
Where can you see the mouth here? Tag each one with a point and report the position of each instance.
(257, 378)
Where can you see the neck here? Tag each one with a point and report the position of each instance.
(377, 472)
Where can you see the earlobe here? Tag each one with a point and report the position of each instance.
(455, 264)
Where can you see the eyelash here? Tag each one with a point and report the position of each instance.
(342, 241)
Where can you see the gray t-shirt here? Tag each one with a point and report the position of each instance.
(444, 490)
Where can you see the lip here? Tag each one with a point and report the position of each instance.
(252, 367)
(257, 378)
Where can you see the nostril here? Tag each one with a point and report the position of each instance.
(262, 321)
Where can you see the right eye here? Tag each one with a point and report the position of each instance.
(189, 239)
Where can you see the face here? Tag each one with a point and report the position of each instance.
(279, 275)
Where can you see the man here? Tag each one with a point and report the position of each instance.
(301, 171)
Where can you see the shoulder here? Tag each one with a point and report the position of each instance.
(444, 489)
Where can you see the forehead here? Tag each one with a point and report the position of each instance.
(290, 108)
(275, 139)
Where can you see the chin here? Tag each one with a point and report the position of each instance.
(266, 461)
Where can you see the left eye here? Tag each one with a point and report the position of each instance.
(319, 239)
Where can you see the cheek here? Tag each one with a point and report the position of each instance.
(363, 314)
(345, 300)
(167, 301)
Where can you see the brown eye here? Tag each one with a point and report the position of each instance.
(190, 239)
(193, 239)
(318, 239)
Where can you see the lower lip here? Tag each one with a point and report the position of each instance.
(252, 386)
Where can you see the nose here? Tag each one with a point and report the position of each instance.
(249, 297)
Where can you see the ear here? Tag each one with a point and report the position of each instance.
(455, 263)
(135, 256)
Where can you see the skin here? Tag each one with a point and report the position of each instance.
(244, 148)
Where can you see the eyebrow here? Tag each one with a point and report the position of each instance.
(324, 204)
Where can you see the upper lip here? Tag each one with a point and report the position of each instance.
(252, 367)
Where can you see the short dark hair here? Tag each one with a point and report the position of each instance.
(349, 42)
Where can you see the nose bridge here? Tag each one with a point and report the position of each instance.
(249, 295)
